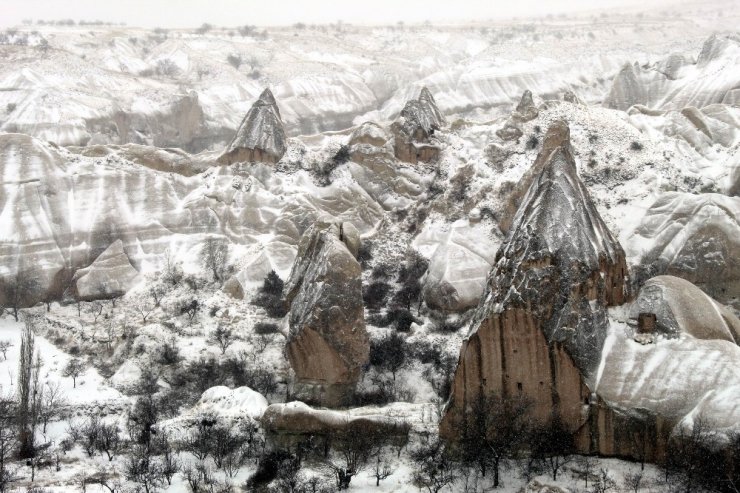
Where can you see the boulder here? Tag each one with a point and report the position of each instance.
(540, 327)
(369, 142)
(109, 276)
(510, 131)
(682, 308)
(327, 344)
(260, 136)
(414, 128)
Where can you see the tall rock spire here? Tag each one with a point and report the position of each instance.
(540, 327)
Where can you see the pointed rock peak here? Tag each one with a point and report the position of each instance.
(558, 211)
(115, 249)
(426, 96)
(525, 102)
(526, 110)
(266, 98)
(260, 137)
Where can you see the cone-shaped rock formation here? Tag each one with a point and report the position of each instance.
(260, 136)
(540, 327)
(414, 128)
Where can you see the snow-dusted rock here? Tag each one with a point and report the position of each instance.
(110, 275)
(413, 129)
(328, 345)
(460, 257)
(682, 308)
(226, 402)
(260, 136)
(674, 83)
(695, 237)
(540, 327)
(300, 418)
(526, 110)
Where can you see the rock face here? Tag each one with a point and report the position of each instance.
(682, 308)
(369, 143)
(414, 128)
(260, 136)
(328, 345)
(695, 237)
(540, 327)
(110, 276)
(675, 82)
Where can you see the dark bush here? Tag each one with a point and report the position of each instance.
(382, 271)
(400, 318)
(388, 353)
(635, 146)
(270, 296)
(266, 328)
(267, 469)
(342, 156)
(169, 353)
(532, 142)
(375, 294)
(365, 254)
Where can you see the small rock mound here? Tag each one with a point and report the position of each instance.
(260, 136)
(109, 276)
(414, 128)
(682, 308)
(327, 345)
(369, 143)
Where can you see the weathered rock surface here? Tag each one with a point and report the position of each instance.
(541, 325)
(682, 308)
(695, 237)
(110, 276)
(526, 110)
(260, 136)
(327, 345)
(675, 82)
(414, 128)
(460, 256)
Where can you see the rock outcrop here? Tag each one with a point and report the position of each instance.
(260, 136)
(682, 308)
(526, 110)
(327, 345)
(695, 237)
(414, 128)
(110, 276)
(540, 327)
(369, 143)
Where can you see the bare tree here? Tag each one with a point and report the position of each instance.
(493, 429)
(553, 445)
(223, 337)
(213, 256)
(144, 308)
(74, 368)
(109, 440)
(143, 468)
(8, 440)
(28, 373)
(381, 470)
(353, 450)
(53, 403)
(435, 468)
(4, 346)
(94, 308)
(17, 290)
(633, 481)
